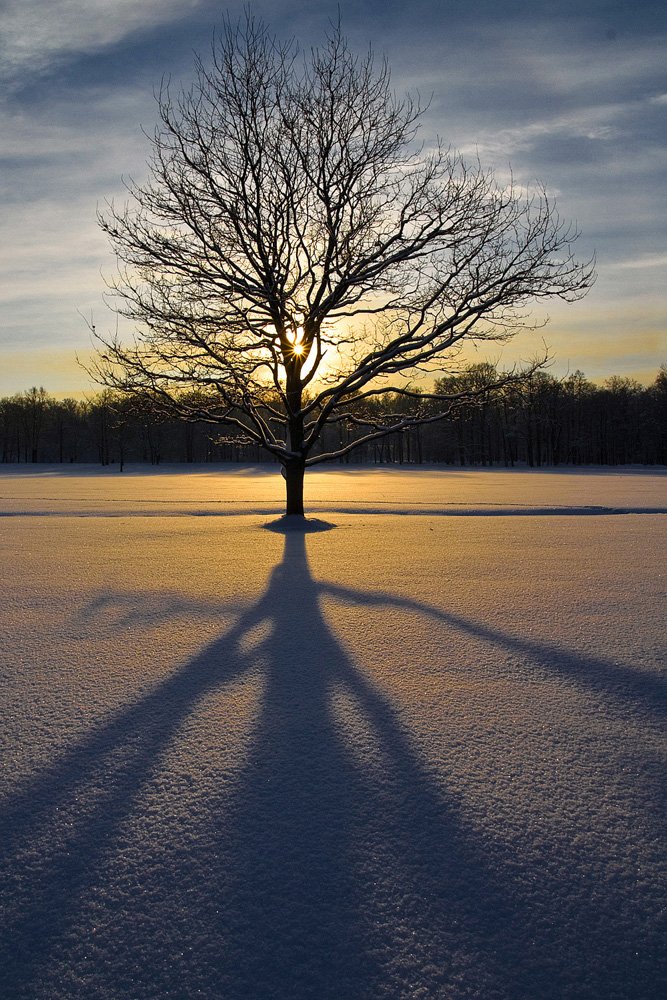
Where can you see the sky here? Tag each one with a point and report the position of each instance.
(571, 94)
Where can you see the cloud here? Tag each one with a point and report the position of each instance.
(58, 164)
(569, 67)
(36, 34)
(642, 262)
(548, 91)
(594, 123)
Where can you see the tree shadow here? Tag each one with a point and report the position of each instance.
(625, 685)
(325, 861)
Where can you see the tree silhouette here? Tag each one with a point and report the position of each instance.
(295, 252)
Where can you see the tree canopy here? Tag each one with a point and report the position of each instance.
(295, 251)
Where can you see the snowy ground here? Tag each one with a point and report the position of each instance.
(419, 755)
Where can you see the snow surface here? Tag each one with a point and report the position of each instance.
(408, 757)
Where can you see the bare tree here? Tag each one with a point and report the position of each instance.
(295, 252)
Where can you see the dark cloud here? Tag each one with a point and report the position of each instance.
(573, 93)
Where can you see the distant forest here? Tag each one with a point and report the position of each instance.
(543, 421)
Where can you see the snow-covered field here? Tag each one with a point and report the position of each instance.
(418, 755)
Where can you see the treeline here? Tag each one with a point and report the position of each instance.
(542, 421)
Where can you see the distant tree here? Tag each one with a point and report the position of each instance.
(33, 407)
(295, 253)
(9, 429)
(65, 418)
(659, 397)
(577, 395)
(621, 418)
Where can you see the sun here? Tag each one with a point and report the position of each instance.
(298, 346)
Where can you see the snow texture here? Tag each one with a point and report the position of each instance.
(410, 755)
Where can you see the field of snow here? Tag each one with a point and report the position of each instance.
(418, 755)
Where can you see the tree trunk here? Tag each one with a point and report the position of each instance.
(293, 473)
(295, 467)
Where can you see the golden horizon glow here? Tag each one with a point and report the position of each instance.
(600, 341)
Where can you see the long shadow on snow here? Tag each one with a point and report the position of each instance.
(647, 692)
(299, 908)
(338, 869)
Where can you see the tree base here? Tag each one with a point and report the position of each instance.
(294, 473)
